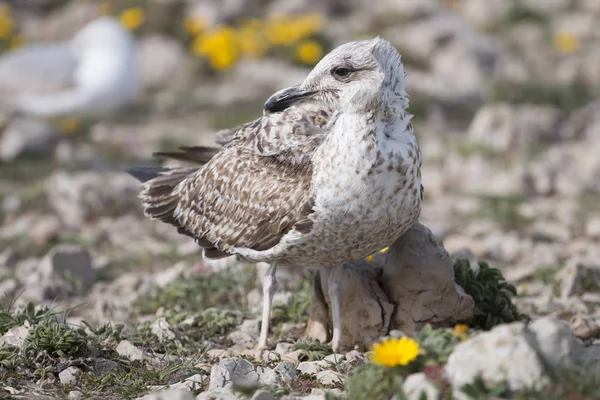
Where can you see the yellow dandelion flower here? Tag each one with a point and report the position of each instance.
(251, 39)
(195, 25)
(6, 25)
(460, 329)
(566, 42)
(309, 52)
(308, 25)
(16, 41)
(70, 125)
(132, 18)
(393, 352)
(219, 45)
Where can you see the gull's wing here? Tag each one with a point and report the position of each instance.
(255, 189)
(39, 68)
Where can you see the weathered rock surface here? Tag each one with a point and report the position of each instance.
(405, 288)
(525, 356)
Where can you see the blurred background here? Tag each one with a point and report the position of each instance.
(503, 93)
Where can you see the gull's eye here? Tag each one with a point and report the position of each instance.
(340, 72)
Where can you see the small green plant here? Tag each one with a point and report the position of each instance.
(315, 350)
(480, 390)
(372, 381)
(437, 344)
(9, 318)
(490, 292)
(214, 322)
(56, 339)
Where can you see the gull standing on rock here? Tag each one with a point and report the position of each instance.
(330, 174)
(93, 75)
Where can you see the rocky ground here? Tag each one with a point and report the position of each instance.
(98, 302)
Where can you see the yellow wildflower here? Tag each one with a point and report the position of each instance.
(16, 41)
(393, 352)
(566, 42)
(70, 125)
(251, 40)
(194, 25)
(219, 46)
(285, 31)
(460, 329)
(133, 18)
(309, 52)
(6, 24)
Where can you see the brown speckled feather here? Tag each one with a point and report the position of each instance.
(252, 192)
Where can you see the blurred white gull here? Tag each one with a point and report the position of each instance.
(93, 75)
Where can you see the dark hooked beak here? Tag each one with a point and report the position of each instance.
(286, 98)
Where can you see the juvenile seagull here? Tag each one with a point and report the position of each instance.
(329, 174)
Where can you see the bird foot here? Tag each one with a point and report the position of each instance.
(259, 353)
(335, 346)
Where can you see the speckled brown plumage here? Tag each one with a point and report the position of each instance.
(329, 174)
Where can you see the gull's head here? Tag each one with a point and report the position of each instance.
(354, 77)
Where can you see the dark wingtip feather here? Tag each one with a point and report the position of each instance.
(144, 174)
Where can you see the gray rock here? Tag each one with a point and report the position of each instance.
(517, 354)
(217, 394)
(310, 367)
(262, 395)
(230, 370)
(416, 274)
(416, 385)
(26, 137)
(69, 375)
(329, 378)
(334, 358)
(72, 263)
(163, 330)
(267, 376)
(15, 336)
(286, 371)
(75, 395)
(283, 348)
(242, 340)
(169, 394)
(66, 270)
(128, 350)
(83, 196)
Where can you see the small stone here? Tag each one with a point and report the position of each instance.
(243, 340)
(69, 375)
(219, 354)
(15, 336)
(262, 395)
(163, 330)
(218, 394)
(72, 263)
(169, 394)
(230, 370)
(418, 386)
(295, 356)
(283, 348)
(267, 376)
(128, 350)
(329, 378)
(75, 395)
(309, 367)
(251, 326)
(334, 358)
(287, 371)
